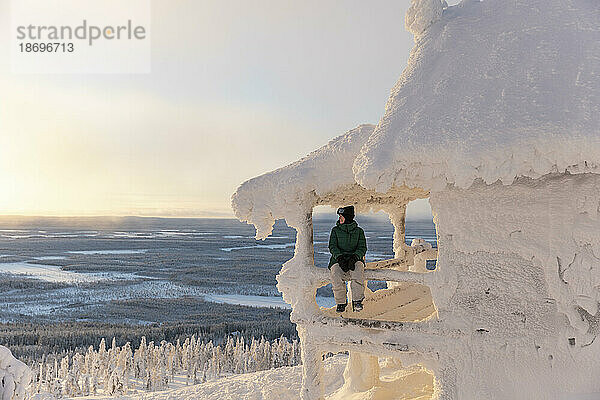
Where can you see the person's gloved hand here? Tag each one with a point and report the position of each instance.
(352, 260)
(344, 261)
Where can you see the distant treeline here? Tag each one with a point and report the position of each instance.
(33, 342)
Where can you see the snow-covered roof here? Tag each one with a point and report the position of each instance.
(493, 90)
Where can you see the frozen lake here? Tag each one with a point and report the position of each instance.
(53, 273)
(90, 252)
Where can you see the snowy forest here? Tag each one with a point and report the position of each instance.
(150, 367)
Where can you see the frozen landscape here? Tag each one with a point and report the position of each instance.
(65, 270)
(77, 280)
(496, 121)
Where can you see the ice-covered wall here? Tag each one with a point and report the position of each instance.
(519, 277)
(493, 89)
(14, 376)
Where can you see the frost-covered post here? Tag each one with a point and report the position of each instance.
(397, 215)
(304, 240)
(296, 279)
(295, 282)
(312, 367)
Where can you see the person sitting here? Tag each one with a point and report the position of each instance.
(348, 246)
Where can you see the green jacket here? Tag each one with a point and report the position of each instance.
(347, 239)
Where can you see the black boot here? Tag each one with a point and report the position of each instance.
(341, 307)
(357, 305)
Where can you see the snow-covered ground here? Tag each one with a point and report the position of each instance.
(274, 384)
(284, 383)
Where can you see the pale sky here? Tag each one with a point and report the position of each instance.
(237, 88)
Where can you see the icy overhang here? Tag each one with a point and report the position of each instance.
(262, 200)
(325, 177)
(493, 90)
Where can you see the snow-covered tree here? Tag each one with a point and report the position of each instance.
(154, 366)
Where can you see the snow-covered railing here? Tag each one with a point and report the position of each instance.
(407, 298)
(392, 275)
(392, 338)
(394, 263)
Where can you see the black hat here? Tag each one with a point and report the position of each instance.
(347, 212)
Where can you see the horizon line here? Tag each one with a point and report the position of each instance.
(320, 214)
(115, 216)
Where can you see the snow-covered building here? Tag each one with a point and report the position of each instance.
(496, 120)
